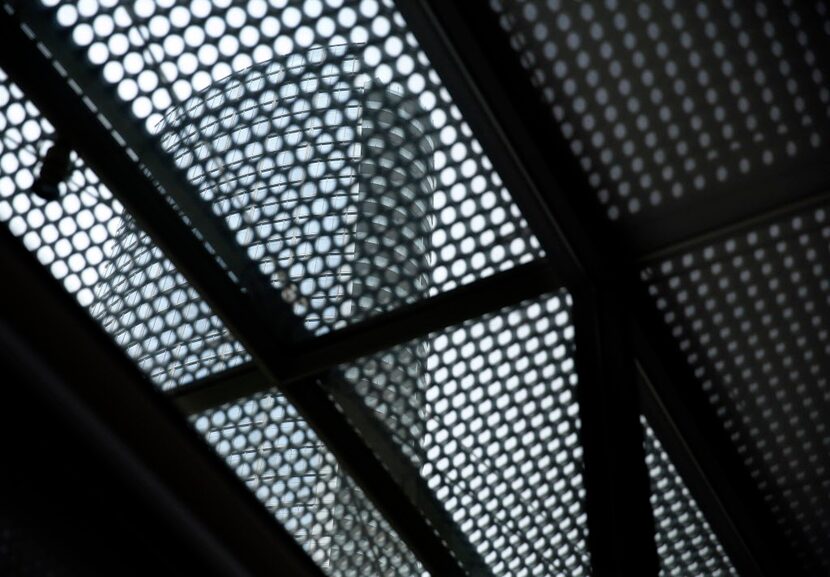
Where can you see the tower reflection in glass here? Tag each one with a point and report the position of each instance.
(324, 178)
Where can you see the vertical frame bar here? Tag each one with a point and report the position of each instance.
(463, 44)
(620, 518)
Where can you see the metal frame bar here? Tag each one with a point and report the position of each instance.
(468, 50)
(403, 499)
(315, 357)
(621, 524)
(468, 47)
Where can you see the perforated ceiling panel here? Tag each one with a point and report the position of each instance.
(282, 461)
(326, 178)
(94, 249)
(751, 313)
(664, 101)
(488, 412)
(318, 139)
(686, 545)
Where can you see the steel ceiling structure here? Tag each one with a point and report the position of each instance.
(663, 174)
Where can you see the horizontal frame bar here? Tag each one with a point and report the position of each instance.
(316, 356)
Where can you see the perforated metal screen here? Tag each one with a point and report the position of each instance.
(290, 470)
(676, 105)
(491, 419)
(93, 247)
(686, 544)
(102, 257)
(457, 223)
(311, 218)
(751, 313)
(666, 101)
(325, 176)
(164, 58)
(318, 136)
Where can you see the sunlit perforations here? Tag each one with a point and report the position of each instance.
(282, 461)
(103, 259)
(157, 317)
(498, 426)
(686, 545)
(323, 174)
(751, 313)
(175, 51)
(662, 100)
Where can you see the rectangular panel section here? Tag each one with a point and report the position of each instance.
(751, 312)
(320, 134)
(487, 412)
(282, 461)
(665, 102)
(87, 241)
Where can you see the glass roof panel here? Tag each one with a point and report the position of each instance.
(320, 134)
(487, 412)
(98, 253)
(686, 544)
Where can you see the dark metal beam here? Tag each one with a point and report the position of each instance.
(78, 368)
(434, 540)
(483, 72)
(621, 525)
(317, 356)
(715, 491)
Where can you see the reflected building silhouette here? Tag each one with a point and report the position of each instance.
(324, 178)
